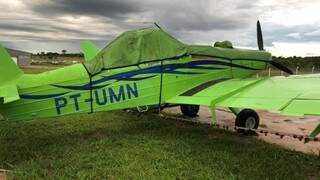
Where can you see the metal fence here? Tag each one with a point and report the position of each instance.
(297, 71)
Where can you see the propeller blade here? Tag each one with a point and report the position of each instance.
(281, 67)
(261, 48)
(259, 36)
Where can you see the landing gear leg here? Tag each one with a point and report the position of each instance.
(235, 111)
(247, 120)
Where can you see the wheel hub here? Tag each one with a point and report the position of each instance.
(250, 123)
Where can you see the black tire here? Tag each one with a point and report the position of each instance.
(189, 110)
(249, 119)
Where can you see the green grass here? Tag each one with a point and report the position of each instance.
(118, 145)
(39, 69)
(58, 58)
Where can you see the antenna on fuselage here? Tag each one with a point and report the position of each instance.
(157, 25)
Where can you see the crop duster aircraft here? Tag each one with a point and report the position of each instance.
(150, 67)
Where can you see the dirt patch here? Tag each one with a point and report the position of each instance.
(3, 176)
(271, 121)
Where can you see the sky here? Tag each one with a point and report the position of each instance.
(290, 27)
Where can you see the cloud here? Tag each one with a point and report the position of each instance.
(202, 15)
(178, 15)
(59, 20)
(56, 24)
(295, 35)
(295, 49)
(313, 33)
(105, 8)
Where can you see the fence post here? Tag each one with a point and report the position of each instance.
(313, 69)
(269, 72)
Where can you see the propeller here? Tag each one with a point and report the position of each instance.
(259, 37)
(281, 67)
(261, 48)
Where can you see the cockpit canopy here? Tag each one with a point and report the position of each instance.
(135, 47)
(154, 44)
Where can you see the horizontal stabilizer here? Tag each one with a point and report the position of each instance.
(8, 93)
(89, 50)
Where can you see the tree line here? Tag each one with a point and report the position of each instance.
(301, 62)
(55, 55)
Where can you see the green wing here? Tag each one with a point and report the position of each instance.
(294, 95)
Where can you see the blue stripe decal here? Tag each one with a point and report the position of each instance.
(172, 69)
(133, 79)
(81, 88)
(167, 69)
(129, 76)
(24, 96)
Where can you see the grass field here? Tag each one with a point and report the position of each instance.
(65, 58)
(39, 69)
(118, 145)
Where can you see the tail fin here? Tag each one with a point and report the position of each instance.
(89, 50)
(8, 68)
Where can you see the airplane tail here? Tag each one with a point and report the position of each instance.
(8, 68)
(89, 50)
(9, 71)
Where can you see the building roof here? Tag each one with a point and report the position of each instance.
(14, 52)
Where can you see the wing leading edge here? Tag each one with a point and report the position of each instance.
(294, 95)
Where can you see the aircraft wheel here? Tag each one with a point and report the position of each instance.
(189, 110)
(249, 119)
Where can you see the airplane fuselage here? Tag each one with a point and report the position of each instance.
(72, 90)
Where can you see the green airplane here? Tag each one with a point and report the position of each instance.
(149, 67)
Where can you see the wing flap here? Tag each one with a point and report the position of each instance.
(300, 107)
(254, 103)
(190, 100)
(216, 92)
(294, 95)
